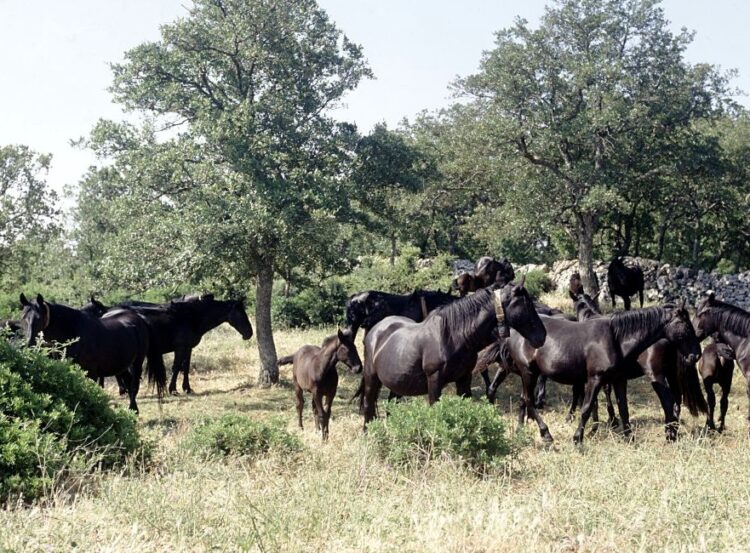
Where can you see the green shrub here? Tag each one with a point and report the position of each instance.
(725, 267)
(234, 434)
(538, 283)
(51, 414)
(413, 432)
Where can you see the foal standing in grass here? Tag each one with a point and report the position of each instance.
(314, 370)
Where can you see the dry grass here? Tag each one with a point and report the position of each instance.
(611, 496)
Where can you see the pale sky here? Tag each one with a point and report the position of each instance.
(54, 57)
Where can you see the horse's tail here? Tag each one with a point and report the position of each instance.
(157, 372)
(692, 392)
(360, 393)
(288, 360)
(496, 352)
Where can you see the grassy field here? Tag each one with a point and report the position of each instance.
(610, 496)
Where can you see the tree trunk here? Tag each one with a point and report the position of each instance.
(586, 253)
(269, 372)
(662, 239)
(393, 250)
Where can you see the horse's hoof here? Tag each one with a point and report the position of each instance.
(547, 438)
(187, 390)
(614, 422)
(174, 393)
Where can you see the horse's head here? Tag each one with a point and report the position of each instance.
(679, 330)
(34, 318)
(518, 312)
(237, 318)
(705, 325)
(94, 308)
(346, 352)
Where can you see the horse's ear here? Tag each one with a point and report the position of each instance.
(92, 299)
(682, 303)
(39, 299)
(24, 301)
(342, 338)
(711, 297)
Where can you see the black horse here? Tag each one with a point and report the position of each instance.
(732, 325)
(179, 325)
(597, 351)
(366, 309)
(421, 358)
(624, 282)
(106, 346)
(671, 376)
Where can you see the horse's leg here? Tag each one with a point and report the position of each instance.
(612, 295)
(626, 301)
(393, 396)
(668, 405)
(612, 420)
(726, 387)
(175, 370)
(299, 401)
(185, 368)
(577, 399)
(101, 381)
(463, 386)
(529, 383)
(592, 390)
(621, 394)
(327, 413)
(370, 397)
(434, 387)
(640, 297)
(540, 392)
(486, 377)
(500, 375)
(708, 385)
(317, 405)
(135, 380)
(123, 382)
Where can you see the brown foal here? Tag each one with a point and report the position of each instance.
(314, 371)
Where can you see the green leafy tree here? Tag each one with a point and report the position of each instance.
(591, 101)
(249, 181)
(27, 208)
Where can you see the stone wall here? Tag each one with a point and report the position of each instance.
(663, 282)
(666, 283)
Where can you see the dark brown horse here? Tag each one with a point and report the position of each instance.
(487, 272)
(421, 358)
(575, 285)
(105, 346)
(314, 371)
(716, 366)
(465, 283)
(624, 282)
(731, 324)
(596, 351)
(671, 377)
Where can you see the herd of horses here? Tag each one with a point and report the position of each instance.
(416, 344)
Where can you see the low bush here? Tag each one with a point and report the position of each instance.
(414, 432)
(239, 435)
(538, 283)
(51, 415)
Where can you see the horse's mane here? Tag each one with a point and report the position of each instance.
(461, 314)
(328, 340)
(733, 318)
(626, 323)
